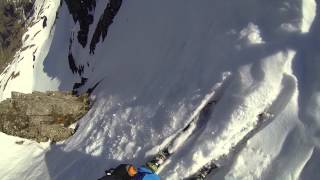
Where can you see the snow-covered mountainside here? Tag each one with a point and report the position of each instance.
(149, 65)
(14, 17)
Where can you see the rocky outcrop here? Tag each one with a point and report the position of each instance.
(104, 23)
(42, 116)
(80, 11)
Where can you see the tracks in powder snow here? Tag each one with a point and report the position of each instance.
(263, 119)
(201, 113)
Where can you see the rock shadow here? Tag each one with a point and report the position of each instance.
(76, 164)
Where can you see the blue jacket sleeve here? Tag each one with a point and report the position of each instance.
(151, 177)
(145, 173)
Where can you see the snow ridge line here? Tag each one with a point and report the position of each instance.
(263, 119)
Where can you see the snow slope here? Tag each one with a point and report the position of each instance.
(155, 68)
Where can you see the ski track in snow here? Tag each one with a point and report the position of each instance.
(155, 72)
(175, 141)
(278, 105)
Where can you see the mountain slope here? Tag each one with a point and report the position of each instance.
(14, 17)
(156, 64)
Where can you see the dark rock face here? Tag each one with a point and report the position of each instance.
(80, 11)
(104, 22)
(44, 23)
(42, 116)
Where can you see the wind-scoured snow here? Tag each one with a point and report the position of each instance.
(154, 71)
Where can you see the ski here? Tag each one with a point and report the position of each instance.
(205, 108)
(204, 171)
(161, 157)
(263, 119)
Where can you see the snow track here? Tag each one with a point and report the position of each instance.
(202, 112)
(197, 117)
(271, 112)
(226, 134)
(278, 105)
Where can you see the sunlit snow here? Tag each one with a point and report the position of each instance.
(158, 65)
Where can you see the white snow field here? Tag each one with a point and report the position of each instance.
(157, 67)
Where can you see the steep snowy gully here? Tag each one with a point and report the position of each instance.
(150, 65)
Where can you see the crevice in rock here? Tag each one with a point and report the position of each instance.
(72, 64)
(90, 90)
(78, 85)
(12, 76)
(44, 23)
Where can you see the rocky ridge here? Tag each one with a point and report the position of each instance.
(42, 116)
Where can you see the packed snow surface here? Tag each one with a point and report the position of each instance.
(156, 69)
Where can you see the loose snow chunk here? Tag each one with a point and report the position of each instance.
(250, 35)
